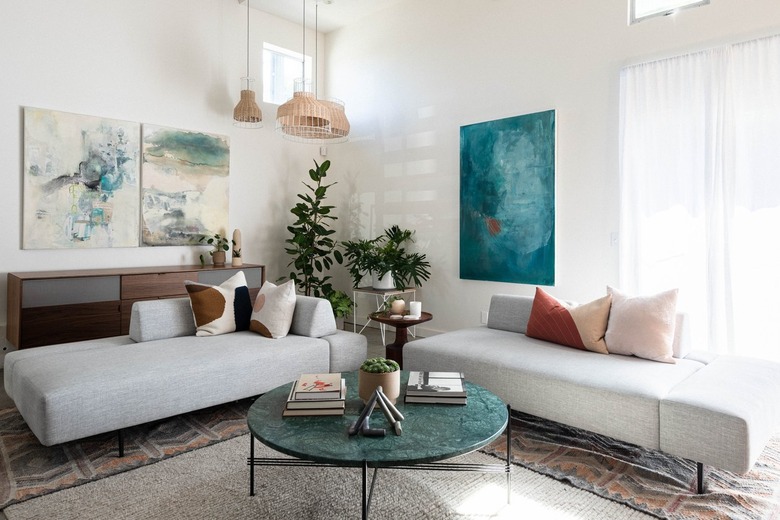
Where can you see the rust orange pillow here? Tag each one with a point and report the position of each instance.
(581, 326)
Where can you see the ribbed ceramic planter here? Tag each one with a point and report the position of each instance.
(383, 284)
(218, 257)
(389, 381)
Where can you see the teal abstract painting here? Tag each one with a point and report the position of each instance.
(507, 200)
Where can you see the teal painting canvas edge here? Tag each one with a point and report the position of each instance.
(507, 200)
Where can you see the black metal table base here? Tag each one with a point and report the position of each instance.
(368, 492)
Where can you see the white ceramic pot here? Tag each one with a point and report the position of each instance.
(383, 284)
(389, 381)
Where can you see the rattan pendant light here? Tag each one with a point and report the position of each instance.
(247, 113)
(303, 118)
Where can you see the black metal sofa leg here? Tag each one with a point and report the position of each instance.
(699, 478)
(121, 443)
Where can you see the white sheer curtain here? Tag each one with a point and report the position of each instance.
(700, 191)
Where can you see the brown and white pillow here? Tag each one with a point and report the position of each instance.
(642, 326)
(273, 311)
(220, 309)
(582, 326)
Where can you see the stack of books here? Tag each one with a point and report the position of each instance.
(436, 387)
(317, 394)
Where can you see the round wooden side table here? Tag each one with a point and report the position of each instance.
(395, 350)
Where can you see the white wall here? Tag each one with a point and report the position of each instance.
(174, 63)
(411, 76)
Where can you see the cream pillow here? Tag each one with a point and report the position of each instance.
(642, 326)
(273, 310)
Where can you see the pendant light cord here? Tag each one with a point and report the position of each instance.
(247, 44)
(303, 52)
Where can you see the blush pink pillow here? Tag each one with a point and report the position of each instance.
(642, 326)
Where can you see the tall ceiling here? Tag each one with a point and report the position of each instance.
(332, 14)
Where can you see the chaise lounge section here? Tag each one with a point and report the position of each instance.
(71, 391)
(719, 411)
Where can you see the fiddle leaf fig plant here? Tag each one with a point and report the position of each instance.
(311, 243)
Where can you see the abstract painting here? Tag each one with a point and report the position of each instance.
(81, 181)
(184, 186)
(507, 200)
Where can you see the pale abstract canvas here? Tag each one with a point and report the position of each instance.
(81, 181)
(184, 185)
(507, 200)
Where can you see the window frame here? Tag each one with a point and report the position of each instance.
(684, 4)
(267, 66)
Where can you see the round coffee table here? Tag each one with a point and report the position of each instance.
(395, 350)
(431, 433)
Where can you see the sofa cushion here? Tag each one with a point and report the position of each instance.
(160, 319)
(219, 309)
(509, 312)
(581, 326)
(71, 395)
(313, 317)
(723, 415)
(612, 395)
(273, 310)
(642, 326)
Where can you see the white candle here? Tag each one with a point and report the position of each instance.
(415, 308)
(398, 306)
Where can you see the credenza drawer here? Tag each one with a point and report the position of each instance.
(139, 286)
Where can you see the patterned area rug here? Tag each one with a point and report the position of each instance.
(644, 480)
(649, 481)
(29, 469)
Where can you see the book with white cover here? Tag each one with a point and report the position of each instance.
(297, 404)
(436, 384)
(318, 386)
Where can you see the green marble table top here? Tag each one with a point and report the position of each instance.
(431, 432)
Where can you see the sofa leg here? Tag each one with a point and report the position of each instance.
(699, 478)
(121, 442)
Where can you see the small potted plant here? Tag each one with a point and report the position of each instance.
(236, 257)
(385, 257)
(382, 372)
(220, 244)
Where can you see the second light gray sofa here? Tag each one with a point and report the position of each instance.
(71, 391)
(718, 411)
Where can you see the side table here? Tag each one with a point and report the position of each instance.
(395, 350)
(381, 296)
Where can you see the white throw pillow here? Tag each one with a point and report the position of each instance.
(642, 326)
(273, 310)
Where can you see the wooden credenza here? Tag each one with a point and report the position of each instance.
(49, 307)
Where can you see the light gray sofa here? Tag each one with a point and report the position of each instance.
(161, 369)
(718, 411)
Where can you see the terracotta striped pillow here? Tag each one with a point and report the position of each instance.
(582, 326)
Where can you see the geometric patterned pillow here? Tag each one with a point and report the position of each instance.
(220, 309)
(273, 311)
(582, 326)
